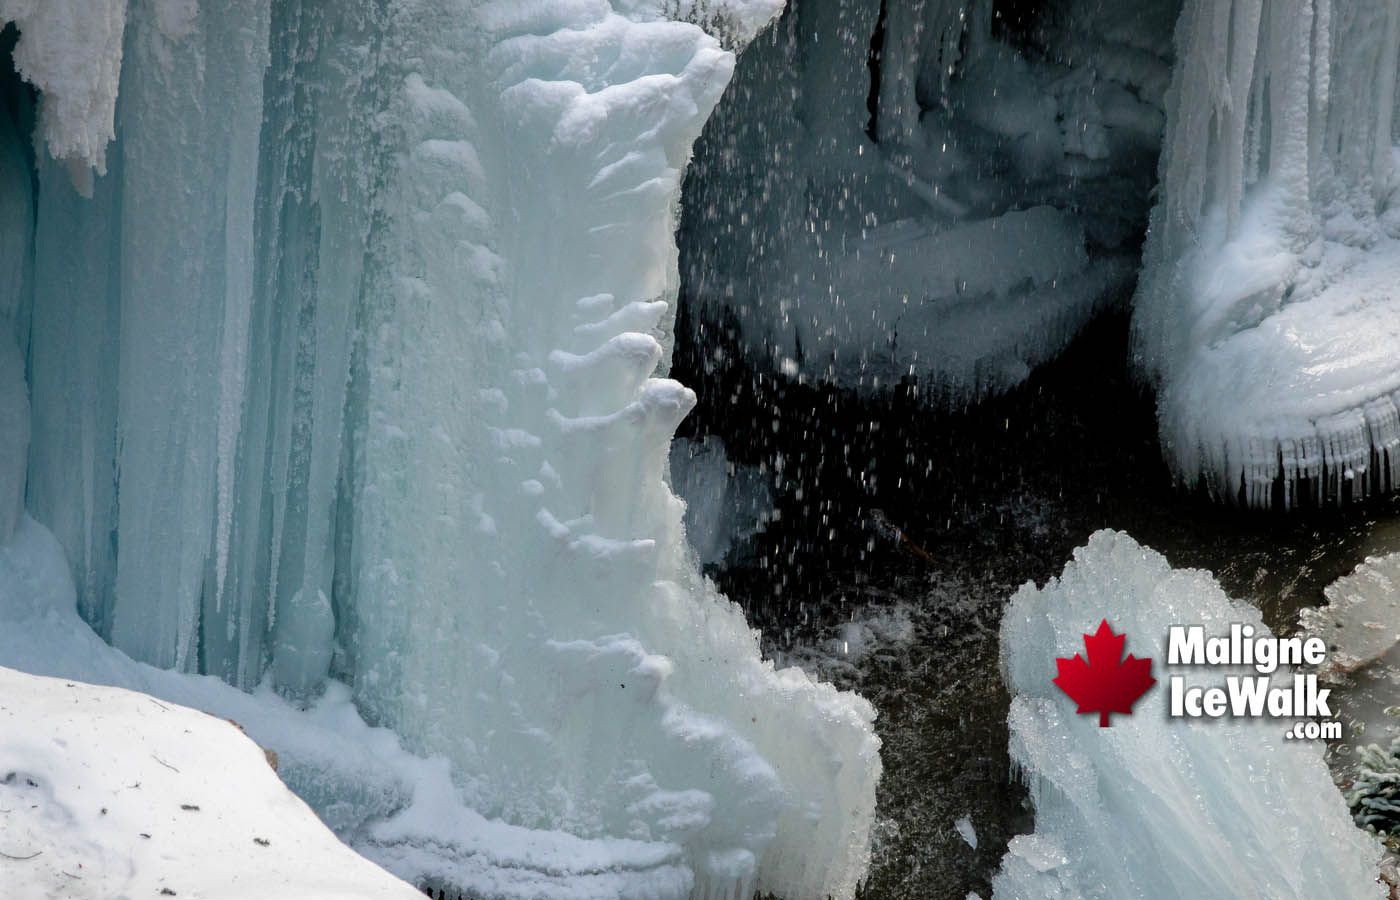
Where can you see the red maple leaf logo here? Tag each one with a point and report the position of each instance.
(1103, 684)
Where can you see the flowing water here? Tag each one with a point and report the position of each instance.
(987, 498)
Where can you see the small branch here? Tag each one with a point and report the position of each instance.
(22, 858)
(164, 763)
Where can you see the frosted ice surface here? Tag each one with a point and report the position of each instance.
(1266, 309)
(1361, 624)
(1361, 620)
(734, 22)
(71, 50)
(1155, 807)
(14, 433)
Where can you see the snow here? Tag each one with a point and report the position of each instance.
(398, 808)
(365, 417)
(111, 793)
(1265, 313)
(1154, 806)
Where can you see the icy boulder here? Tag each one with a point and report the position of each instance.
(1155, 807)
(1361, 624)
(1267, 311)
(112, 793)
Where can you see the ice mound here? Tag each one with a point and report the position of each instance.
(112, 793)
(1267, 311)
(1155, 807)
(1361, 624)
(1361, 621)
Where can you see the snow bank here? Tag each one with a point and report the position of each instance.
(1153, 806)
(111, 793)
(1266, 311)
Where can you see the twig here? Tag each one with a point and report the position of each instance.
(22, 858)
(164, 763)
(158, 703)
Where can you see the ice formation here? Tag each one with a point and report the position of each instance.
(71, 50)
(355, 385)
(1361, 621)
(1266, 312)
(110, 793)
(918, 190)
(1361, 624)
(1154, 806)
(725, 501)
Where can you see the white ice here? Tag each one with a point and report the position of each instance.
(1266, 311)
(1155, 807)
(71, 50)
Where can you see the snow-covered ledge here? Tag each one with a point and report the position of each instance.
(106, 792)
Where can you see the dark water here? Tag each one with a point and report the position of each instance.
(993, 495)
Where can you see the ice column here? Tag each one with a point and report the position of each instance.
(514, 533)
(1265, 313)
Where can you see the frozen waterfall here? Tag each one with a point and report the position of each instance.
(341, 358)
(1267, 311)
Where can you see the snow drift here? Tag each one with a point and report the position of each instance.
(355, 385)
(1153, 806)
(110, 793)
